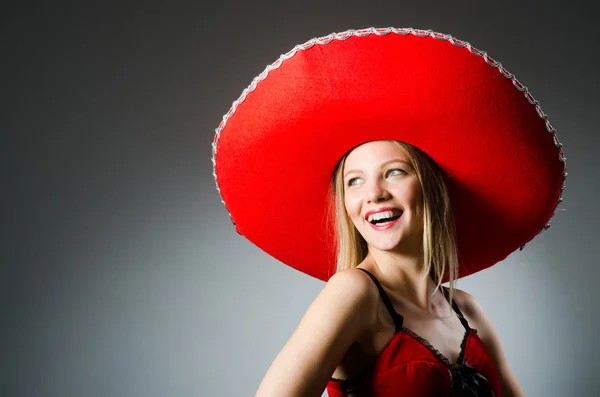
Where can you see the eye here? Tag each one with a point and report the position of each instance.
(352, 180)
(396, 171)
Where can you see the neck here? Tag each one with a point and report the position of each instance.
(404, 274)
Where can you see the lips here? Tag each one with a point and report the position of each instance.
(382, 213)
(379, 224)
(386, 225)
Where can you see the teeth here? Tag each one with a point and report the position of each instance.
(382, 215)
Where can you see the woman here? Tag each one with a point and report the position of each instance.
(446, 167)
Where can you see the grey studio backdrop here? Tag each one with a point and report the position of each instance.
(121, 273)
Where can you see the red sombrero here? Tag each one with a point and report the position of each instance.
(275, 151)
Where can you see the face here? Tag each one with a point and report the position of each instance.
(383, 196)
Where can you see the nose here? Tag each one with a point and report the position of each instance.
(376, 192)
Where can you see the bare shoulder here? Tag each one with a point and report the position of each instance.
(475, 315)
(478, 319)
(349, 296)
(353, 284)
(469, 306)
(337, 317)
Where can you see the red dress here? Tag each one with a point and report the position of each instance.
(410, 367)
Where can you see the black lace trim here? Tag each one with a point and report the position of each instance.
(463, 346)
(425, 342)
(465, 380)
(435, 351)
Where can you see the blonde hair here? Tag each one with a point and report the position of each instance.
(439, 237)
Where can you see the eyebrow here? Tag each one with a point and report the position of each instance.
(381, 166)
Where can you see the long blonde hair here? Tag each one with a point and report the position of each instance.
(439, 237)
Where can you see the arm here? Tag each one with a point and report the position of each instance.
(487, 333)
(342, 311)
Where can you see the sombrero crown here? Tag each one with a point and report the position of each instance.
(275, 151)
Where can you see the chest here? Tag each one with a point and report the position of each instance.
(406, 368)
(440, 329)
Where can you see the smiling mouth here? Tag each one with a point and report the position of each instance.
(384, 217)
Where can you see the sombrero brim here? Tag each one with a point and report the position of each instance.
(276, 149)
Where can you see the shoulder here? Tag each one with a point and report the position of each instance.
(348, 304)
(475, 315)
(478, 319)
(345, 306)
(337, 317)
(350, 290)
(354, 282)
(469, 305)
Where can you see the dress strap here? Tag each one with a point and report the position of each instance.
(398, 319)
(462, 318)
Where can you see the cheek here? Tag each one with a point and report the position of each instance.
(420, 210)
(416, 195)
(352, 205)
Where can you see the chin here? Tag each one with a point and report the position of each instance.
(385, 245)
(393, 243)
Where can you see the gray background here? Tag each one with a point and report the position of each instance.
(121, 274)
